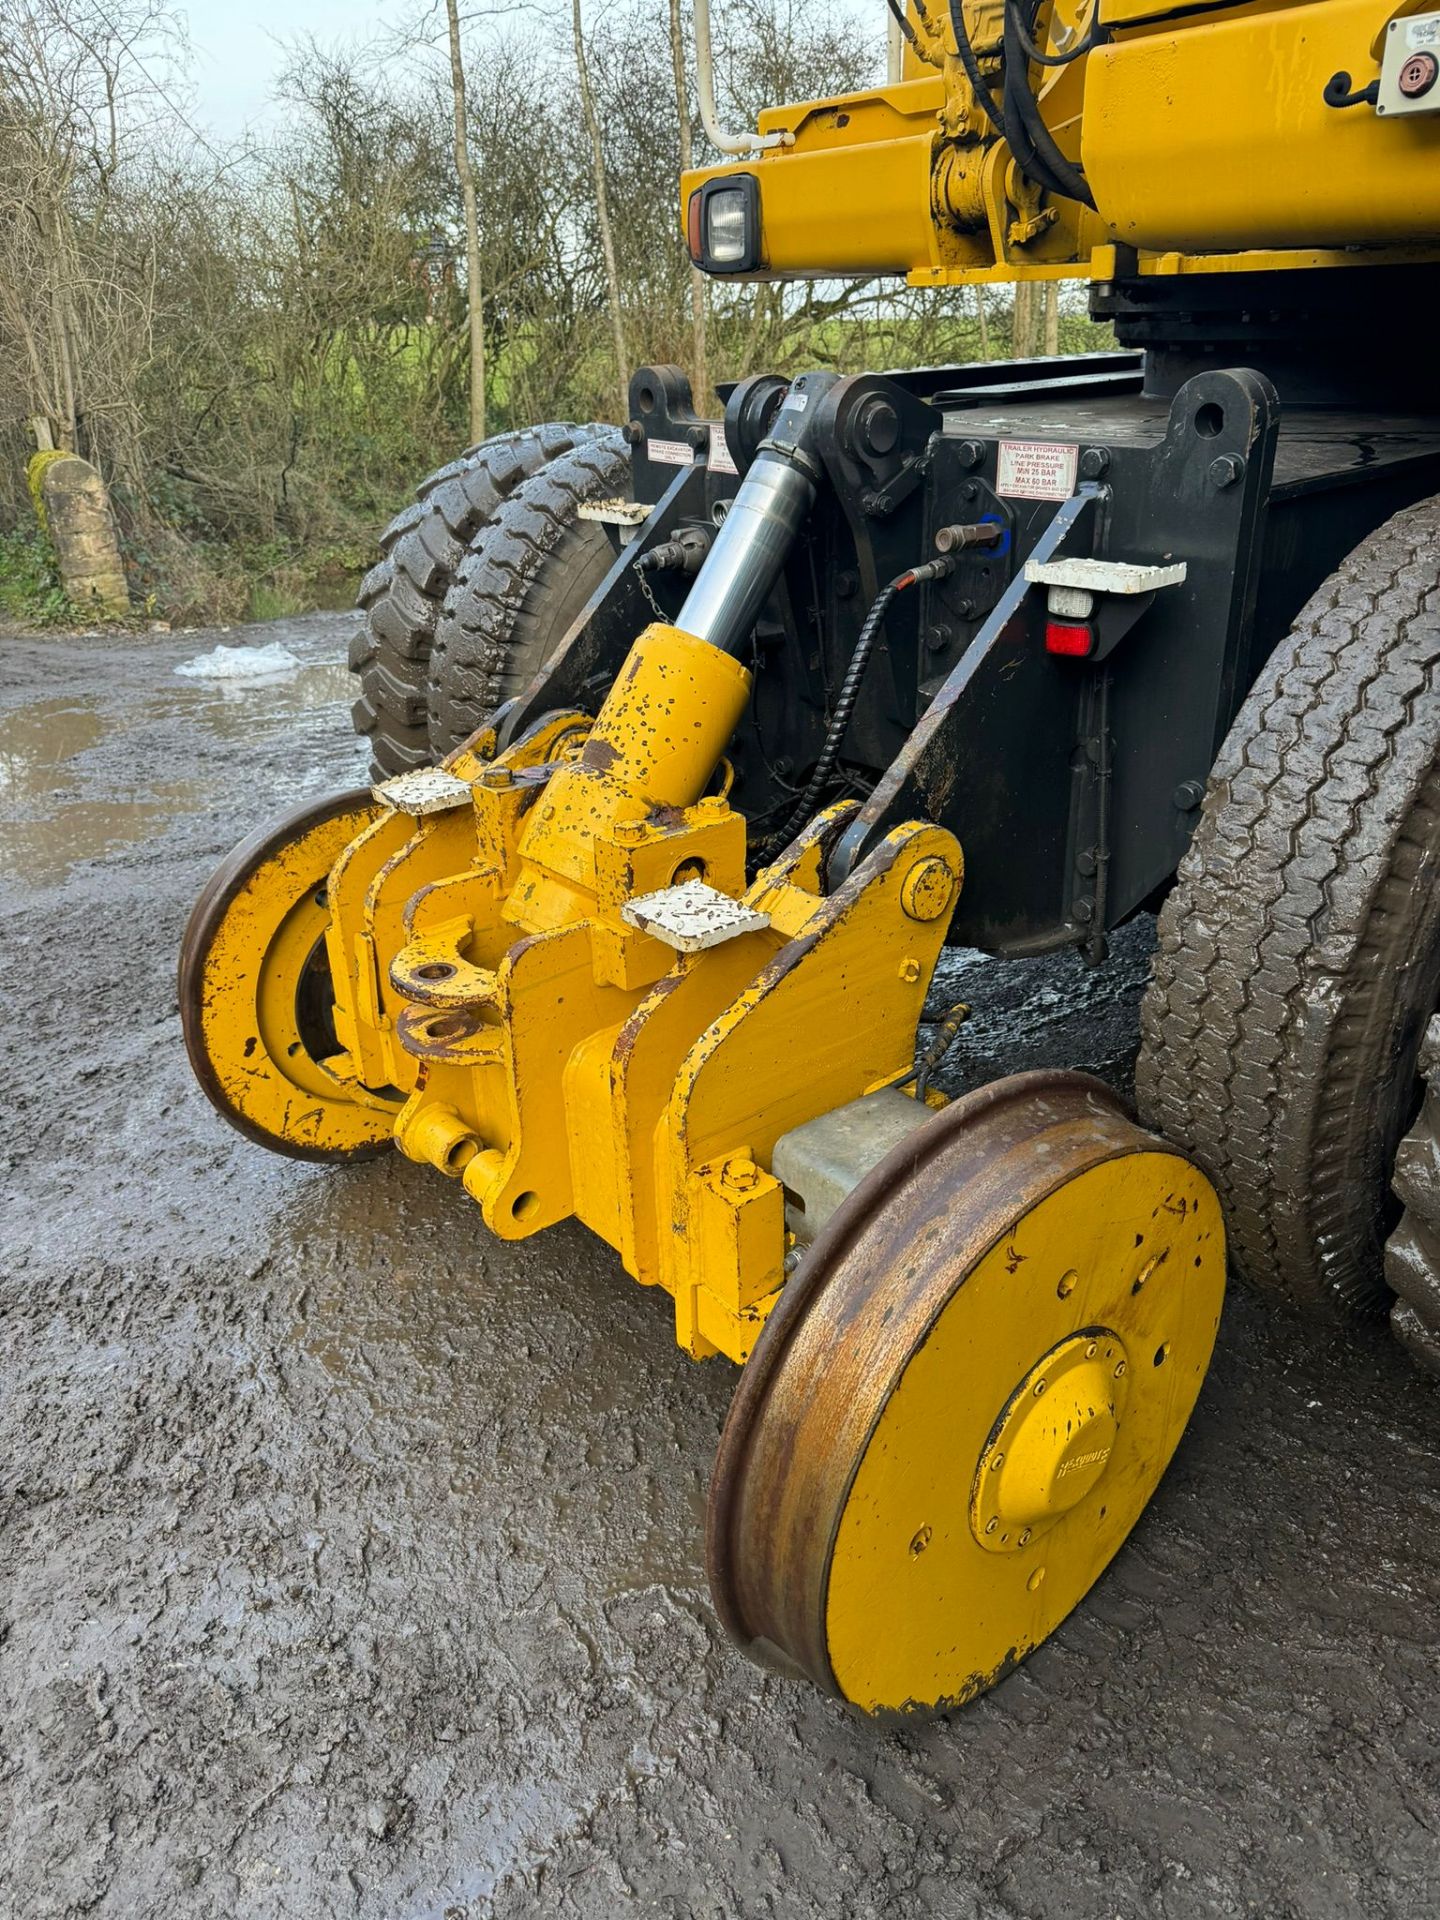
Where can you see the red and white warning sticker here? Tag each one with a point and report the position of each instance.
(721, 460)
(670, 453)
(1036, 469)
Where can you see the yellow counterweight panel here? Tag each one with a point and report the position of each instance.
(1217, 136)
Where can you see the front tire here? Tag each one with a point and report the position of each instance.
(421, 551)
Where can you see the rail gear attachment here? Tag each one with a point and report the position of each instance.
(973, 1336)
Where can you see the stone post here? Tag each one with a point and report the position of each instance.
(74, 507)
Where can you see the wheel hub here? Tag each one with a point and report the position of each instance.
(1049, 1449)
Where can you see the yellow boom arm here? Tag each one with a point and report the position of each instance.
(1209, 139)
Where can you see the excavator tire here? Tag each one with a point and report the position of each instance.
(400, 598)
(1299, 951)
(521, 585)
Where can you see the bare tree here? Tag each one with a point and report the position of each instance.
(700, 356)
(602, 211)
(465, 173)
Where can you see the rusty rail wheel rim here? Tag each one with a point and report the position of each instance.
(254, 990)
(849, 1527)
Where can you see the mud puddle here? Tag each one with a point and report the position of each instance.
(351, 1564)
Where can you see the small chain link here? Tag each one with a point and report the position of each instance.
(642, 576)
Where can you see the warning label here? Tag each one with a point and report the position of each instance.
(671, 453)
(1036, 470)
(720, 460)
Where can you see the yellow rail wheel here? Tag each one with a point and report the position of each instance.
(966, 1396)
(256, 1005)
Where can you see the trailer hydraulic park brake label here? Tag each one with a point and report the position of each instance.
(1036, 470)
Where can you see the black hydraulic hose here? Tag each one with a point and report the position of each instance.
(966, 54)
(1094, 34)
(850, 692)
(1023, 108)
(1018, 114)
(897, 11)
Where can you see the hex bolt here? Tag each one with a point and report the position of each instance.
(970, 453)
(1188, 795)
(699, 438)
(633, 432)
(628, 832)
(969, 533)
(1226, 470)
(497, 778)
(1094, 463)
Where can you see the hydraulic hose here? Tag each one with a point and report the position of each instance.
(1017, 113)
(850, 692)
(1022, 109)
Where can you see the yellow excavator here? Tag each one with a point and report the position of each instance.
(697, 744)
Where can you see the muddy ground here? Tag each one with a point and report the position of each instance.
(351, 1565)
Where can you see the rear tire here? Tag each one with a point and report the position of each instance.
(401, 597)
(521, 586)
(1299, 954)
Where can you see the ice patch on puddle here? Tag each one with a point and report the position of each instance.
(270, 662)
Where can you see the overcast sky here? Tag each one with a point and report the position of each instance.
(239, 48)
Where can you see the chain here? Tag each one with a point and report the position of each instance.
(643, 577)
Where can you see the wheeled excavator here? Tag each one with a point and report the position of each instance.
(718, 735)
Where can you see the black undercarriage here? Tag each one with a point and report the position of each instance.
(1256, 446)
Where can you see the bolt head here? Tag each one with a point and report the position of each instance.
(1226, 470)
(1188, 795)
(1094, 463)
(970, 453)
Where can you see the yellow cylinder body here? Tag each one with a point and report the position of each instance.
(658, 738)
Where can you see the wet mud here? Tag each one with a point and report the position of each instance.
(350, 1564)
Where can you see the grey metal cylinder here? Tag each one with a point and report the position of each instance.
(742, 566)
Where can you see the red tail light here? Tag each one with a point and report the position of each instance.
(1073, 638)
